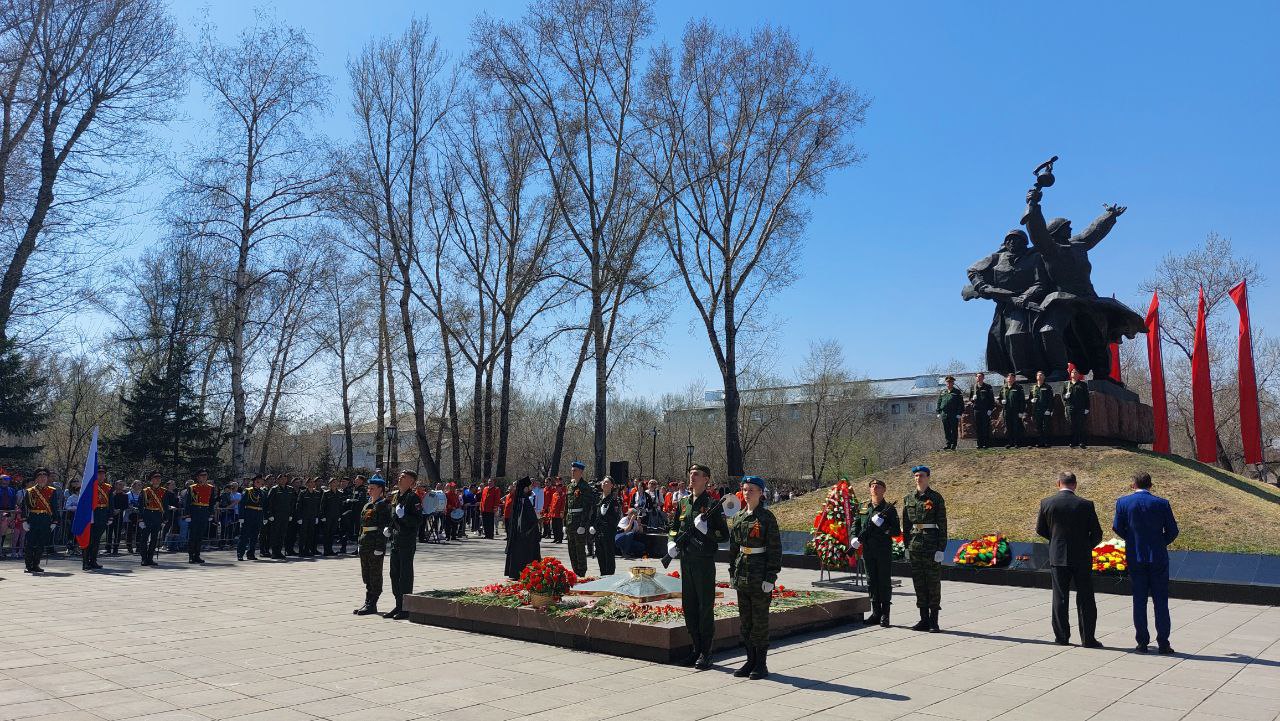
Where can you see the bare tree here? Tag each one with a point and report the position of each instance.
(833, 404)
(347, 327)
(259, 181)
(82, 80)
(743, 130)
(569, 68)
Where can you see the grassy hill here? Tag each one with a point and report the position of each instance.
(1000, 490)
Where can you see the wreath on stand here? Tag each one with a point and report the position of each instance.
(832, 528)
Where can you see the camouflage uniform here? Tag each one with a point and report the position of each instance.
(755, 557)
(375, 518)
(924, 531)
(579, 515)
(1042, 410)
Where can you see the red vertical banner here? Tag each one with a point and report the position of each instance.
(1155, 359)
(1202, 391)
(1250, 414)
(1114, 375)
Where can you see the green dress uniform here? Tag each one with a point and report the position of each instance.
(877, 554)
(1013, 403)
(608, 514)
(924, 531)
(279, 508)
(375, 522)
(310, 506)
(1075, 400)
(698, 568)
(983, 399)
(252, 503)
(755, 558)
(1042, 410)
(579, 515)
(950, 408)
(406, 517)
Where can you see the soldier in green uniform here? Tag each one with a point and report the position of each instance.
(874, 528)
(578, 514)
(924, 532)
(310, 506)
(609, 513)
(375, 529)
(1075, 400)
(1042, 409)
(279, 507)
(755, 558)
(950, 408)
(252, 503)
(357, 496)
(1013, 408)
(406, 517)
(983, 399)
(698, 527)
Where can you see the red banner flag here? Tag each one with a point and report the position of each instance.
(1250, 415)
(1202, 391)
(1155, 359)
(1115, 363)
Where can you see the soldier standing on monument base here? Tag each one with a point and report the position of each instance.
(1042, 409)
(1013, 408)
(950, 408)
(1075, 399)
(983, 399)
(924, 533)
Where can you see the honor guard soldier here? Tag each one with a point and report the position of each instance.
(608, 514)
(578, 517)
(875, 525)
(755, 558)
(697, 530)
(406, 517)
(1042, 409)
(983, 399)
(253, 503)
(1075, 400)
(156, 502)
(950, 408)
(200, 497)
(357, 496)
(331, 514)
(279, 506)
(37, 520)
(375, 529)
(310, 505)
(1013, 408)
(924, 532)
(101, 519)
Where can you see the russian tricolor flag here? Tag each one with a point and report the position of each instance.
(82, 524)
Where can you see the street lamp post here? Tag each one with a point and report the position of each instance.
(393, 436)
(688, 460)
(653, 459)
(864, 466)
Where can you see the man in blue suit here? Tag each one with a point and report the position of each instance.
(1145, 522)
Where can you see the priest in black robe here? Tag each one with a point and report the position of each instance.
(524, 540)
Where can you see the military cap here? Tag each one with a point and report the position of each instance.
(920, 469)
(878, 482)
(377, 480)
(704, 470)
(756, 481)
(579, 465)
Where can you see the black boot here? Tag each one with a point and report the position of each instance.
(370, 607)
(749, 666)
(884, 619)
(761, 670)
(923, 625)
(692, 658)
(933, 621)
(704, 659)
(874, 618)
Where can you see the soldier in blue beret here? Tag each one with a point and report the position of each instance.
(375, 529)
(755, 558)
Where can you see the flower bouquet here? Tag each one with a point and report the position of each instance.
(1108, 557)
(989, 551)
(832, 527)
(546, 580)
(899, 548)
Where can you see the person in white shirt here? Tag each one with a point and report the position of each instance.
(539, 497)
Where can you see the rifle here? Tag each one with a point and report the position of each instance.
(683, 538)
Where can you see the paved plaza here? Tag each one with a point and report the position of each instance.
(277, 642)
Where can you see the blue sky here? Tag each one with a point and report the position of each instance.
(1170, 108)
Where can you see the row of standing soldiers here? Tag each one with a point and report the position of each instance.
(295, 518)
(1018, 408)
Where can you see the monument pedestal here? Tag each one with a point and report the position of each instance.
(1116, 417)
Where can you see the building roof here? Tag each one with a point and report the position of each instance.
(908, 387)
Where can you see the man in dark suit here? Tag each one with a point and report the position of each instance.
(1145, 522)
(1071, 525)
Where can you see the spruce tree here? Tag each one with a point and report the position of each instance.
(20, 399)
(163, 425)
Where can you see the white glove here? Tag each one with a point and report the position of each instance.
(1048, 413)
(26, 526)
(1023, 416)
(878, 519)
(990, 412)
(700, 523)
(604, 508)
(581, 530)
(766, 587)
(142, 524)
(399, 511)
(379, 553)
(592, 530)
(112, 520)
(673, 550)
(52, 526)
(958, 417)
(1086, 411)
(386, 532)
(937, 556)
(271, 518)
(939, 415)
(855, 544)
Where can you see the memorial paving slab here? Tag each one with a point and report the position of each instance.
(276, 641)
